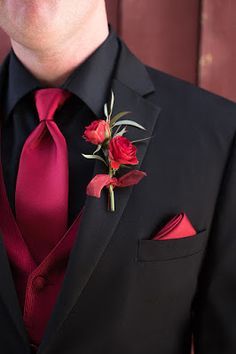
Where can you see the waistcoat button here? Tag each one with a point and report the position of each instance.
(39, 282)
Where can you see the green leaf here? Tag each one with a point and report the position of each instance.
(130, 122)
(105, 110)
(125, 166)
(118, 116)
(105, 152)
(117, 129)
(112, 101)
(95, 157)
(123, 131)
(98, 148)
(135, 141)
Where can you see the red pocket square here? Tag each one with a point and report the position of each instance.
(178, 227)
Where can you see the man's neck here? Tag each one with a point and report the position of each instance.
(52, 66)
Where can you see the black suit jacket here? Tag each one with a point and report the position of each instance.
(123, 292)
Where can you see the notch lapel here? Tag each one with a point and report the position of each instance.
(7, 287)
(98, 225)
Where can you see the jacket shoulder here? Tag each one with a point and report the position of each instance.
(164, 80)
(202, 106)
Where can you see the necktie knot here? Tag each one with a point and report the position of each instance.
(48, 100)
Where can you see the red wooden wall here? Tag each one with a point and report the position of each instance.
(191, 39)
(217, 70)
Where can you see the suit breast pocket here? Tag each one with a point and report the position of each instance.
(162, 250)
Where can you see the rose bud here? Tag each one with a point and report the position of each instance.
(97, 132)
(121, 151)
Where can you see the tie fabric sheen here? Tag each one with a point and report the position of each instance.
(41, 196)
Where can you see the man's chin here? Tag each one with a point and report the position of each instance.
(29, 12)
(33, 41)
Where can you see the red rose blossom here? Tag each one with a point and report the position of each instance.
(97, 132)
(121, 151)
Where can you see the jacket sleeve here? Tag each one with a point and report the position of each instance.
(214, 306)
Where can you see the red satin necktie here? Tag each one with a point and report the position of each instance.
(41, 197)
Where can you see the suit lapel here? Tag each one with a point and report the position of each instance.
(98, 225)
(7, 287)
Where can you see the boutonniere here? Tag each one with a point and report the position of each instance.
(117, 152)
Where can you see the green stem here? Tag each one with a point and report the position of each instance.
(111, 193)
(112, 199)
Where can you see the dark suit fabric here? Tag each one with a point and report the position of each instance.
(123, 292)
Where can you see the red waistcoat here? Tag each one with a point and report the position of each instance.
(37, 286)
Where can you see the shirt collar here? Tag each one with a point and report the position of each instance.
(90, 81)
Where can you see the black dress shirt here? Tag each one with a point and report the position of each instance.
(90, 85)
